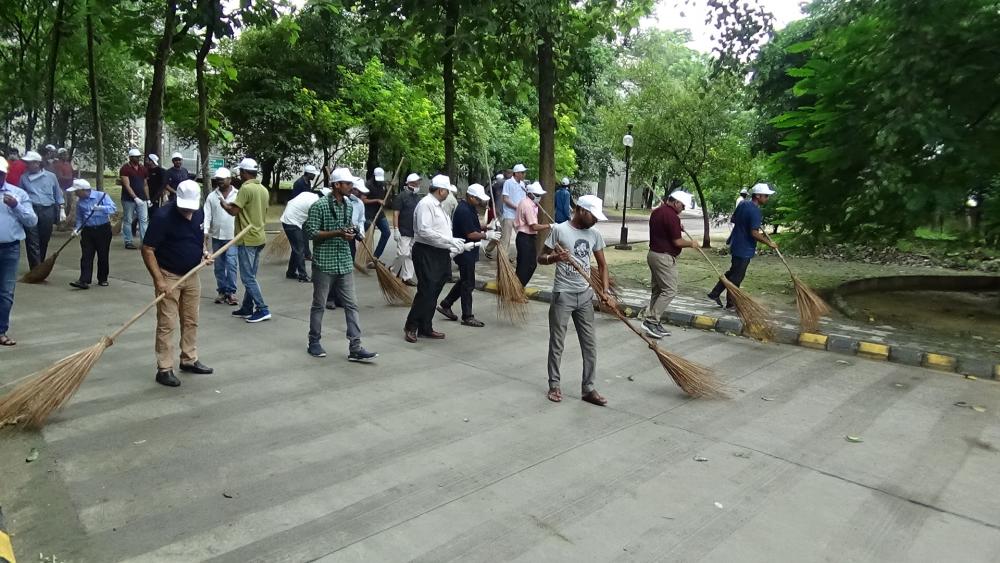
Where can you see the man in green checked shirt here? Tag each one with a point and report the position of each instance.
(330, 228)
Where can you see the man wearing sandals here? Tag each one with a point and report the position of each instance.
(16, 214)
(572, 296)
(465, 225)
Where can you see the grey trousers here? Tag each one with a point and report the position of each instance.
(663, 268)
(343, 286)
(579, 306)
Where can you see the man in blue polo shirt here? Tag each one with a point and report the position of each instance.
(465, 225)
(743, 241)
(173, 246)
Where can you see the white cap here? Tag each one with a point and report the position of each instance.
(248, 164)
(3, 165)
(132, 152)
(310, 169)
(188, 195)
(359, 185)
(50, 147)
(342, 175)
(594, 205)
(154, 158)
(535, 188)
(31, 156)
(478, 191)
(761, 189)
(379, 175)
(519, 168)
(684, 198)
(223, 172)
(413, 177)
(325, 191)
(498, 177)
(565, 181)
(743, 191)
(79, 184)
(63, 150)
(442, 181)
(176, 155)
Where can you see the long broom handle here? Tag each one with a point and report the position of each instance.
(89, 215)
(183, 279)
(392, 186)
(705, 256)
(780, 255)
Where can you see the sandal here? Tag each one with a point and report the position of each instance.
(7, 341)
(555, 395)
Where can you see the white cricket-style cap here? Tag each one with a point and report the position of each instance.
(379, 175)
(519, 168)
(478, 191)
(3, 166)
(50, 147)
(413, 177)
(63, 151)
(442, 181)
(359, 185)
(188, 195)
(565, 181)
(342, 175)
(154, 158)
(177, 156)
(684, 198)
(222, 172)
(535, 188)
(248, 164)
(79, 184)
(310, 169)
(594, 205)
(761, 189)
(135, 152)
(31, 156)
(498, 177)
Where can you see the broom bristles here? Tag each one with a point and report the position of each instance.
(393, 289)
(512, 303)
(810, 305)
(694, 379)
(41, 271)
(30, 403)
(756, 319)
(613, 289)
(279, 249)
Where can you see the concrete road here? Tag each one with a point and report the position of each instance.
(449, 450)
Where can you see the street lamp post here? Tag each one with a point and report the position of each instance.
(628, 141)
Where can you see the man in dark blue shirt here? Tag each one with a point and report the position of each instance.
(305, 182)
(173, 246)
(743, 241)
(563, 210)
(465, 225)
(175, 175)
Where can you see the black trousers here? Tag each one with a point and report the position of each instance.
(737, 271)
(527, 257)
(95, 240)
(463, 288)
(300, 249)
(36, 239)
(433, 267)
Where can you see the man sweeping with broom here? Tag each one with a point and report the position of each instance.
(743, 241)
(93, 225)
(16, 214)
(465, 224)
(572, 296)
(665, 243)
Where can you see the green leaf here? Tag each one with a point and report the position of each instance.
(799, 47)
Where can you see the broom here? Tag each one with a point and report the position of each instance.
(279, 250)
(756, 319)
(512, 303)
(30, 403)
(393, 289)
(116, 224)
(41, 271)
(810, 305)
(613, 290)
(361, 263)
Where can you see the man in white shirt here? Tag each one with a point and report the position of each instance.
(432, 249)
(296, 213)
(513, 193)
(220, 228)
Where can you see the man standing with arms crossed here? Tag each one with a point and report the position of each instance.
(250, 210)
(743, 240)
(666, 240)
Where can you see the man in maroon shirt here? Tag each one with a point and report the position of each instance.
(665, 243)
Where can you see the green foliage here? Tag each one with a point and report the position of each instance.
(522, 146)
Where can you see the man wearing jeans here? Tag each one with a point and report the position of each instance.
(220, 228)
(743, 240)
(572, 243)
(329, 225)
(665, 243)
(250, 210)
(16, 214)
(46, 197)
(133, 177)
(173, 248)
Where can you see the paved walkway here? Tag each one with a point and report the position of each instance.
(449, 451)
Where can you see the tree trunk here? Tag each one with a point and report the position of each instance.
(372, 161)
(706, 240)
(206, 46)
(50, 96)
(95, 104)
(450, 28)
(154, 106)
(547, 119)
(266, 170)
(31, 121)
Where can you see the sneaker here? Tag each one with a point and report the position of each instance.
(315, 350)
(231, 300)
(242, 313)
(652, 329)
(361, 355)
(663, 330)
(716, 300)
(259, 316)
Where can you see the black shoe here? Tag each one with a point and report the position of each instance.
(80, 284)
(197, 367)
(304, 279)
(130, 246)
(103, 283)
(167, 378)
(716, 300)
(241, 313)
(291, 276)
(361, 355)
(447, 312)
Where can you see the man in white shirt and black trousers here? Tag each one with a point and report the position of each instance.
(432, 251)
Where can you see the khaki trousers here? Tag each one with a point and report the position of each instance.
(663, 268)
(181, 304)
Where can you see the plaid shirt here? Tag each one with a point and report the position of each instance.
(332, 255)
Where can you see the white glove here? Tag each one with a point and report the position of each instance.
(469, 246)
(75, 233)
(457, 246)
(62, 214)
(396, 236)
(139, 201)
(149, 203)
(492, 235)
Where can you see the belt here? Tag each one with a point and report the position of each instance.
(10, 244)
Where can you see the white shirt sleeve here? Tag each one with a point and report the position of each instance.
(425, 228)
(208, 213)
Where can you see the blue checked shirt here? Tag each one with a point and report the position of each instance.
(13, 220)
(98, 202)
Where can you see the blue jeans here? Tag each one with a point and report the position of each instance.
(225, 268)
(382, 224)
(249, 259)
(130, 211)
(10, 255)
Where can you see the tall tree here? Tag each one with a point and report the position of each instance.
(53, 64)
(95, 100)
(171, 34)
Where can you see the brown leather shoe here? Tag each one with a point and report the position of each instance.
(410, 335)
(595, 398)
(433, 334)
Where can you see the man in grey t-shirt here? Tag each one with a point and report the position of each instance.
(569, 247)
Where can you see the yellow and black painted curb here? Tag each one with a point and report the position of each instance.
(6, 549)
(879, 351)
